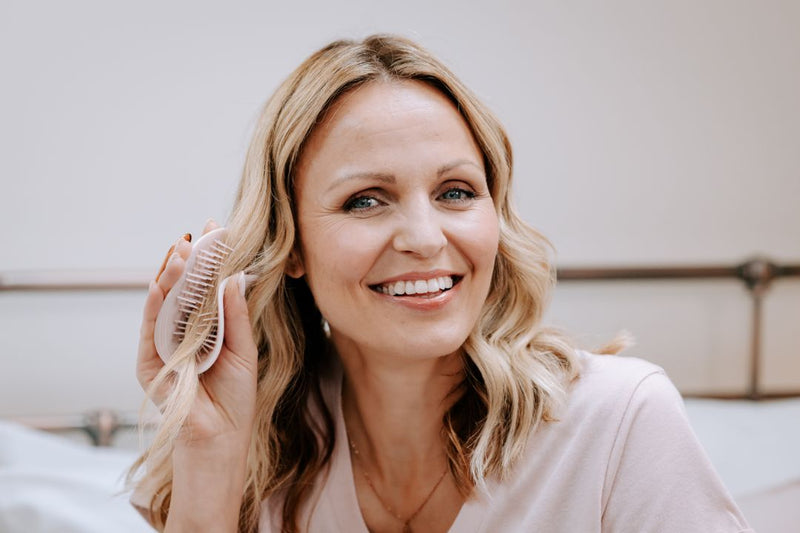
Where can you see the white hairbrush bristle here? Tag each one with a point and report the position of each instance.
(183, 302)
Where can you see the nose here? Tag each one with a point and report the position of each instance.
(420, 230)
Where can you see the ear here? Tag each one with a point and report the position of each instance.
(294, 265)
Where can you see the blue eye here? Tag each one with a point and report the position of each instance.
(361, 203)
(457, 195)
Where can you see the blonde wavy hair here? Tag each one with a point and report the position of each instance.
(516, 371)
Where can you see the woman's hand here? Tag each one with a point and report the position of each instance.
(225, 404)
(209, 459)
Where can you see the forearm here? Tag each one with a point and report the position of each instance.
(207, 486)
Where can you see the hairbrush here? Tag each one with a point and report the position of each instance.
(182, 304)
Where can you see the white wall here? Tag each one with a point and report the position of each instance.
(645, 132)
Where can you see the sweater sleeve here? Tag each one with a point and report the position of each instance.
(659, 478)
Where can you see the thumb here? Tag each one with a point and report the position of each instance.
(238, 336)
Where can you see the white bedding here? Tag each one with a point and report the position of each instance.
(49, 484)
(755, 447)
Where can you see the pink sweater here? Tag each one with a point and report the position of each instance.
(621, 458)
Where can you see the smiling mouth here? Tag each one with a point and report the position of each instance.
(418, 288)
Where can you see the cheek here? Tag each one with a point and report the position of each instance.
(488, 236)
(478, 237)
(339, 253)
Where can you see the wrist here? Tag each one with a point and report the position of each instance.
(208, 484)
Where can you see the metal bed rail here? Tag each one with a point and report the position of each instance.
(757, 274)
(100, 426)
(73, 280)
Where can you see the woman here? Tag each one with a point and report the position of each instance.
(388, 370)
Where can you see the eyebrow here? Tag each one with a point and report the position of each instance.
(377, 176)
(390, 179)
(457, 163)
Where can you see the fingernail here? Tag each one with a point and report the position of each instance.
(152, 285)
(173, 258)
(187, 237)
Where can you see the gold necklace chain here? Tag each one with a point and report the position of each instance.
(406, 521)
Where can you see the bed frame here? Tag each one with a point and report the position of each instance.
(100, 426)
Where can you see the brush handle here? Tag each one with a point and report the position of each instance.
(244, 281)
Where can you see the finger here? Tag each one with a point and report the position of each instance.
(172, 272)
(186, 238)
(211, 224)
(238, 338)
(148, 363)
(183, 248)
(164, 262)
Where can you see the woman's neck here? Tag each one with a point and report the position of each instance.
(394, 407)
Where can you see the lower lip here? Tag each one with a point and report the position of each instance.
(423, 303)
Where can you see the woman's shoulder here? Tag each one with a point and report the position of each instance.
(619, 369)
(602, 371)
(629, 411)
(616, 385)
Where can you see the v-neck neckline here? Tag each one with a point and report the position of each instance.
(340, 489)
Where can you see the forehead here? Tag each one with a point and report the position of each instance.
(384, 99)
(382, 123)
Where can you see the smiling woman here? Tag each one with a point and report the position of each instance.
(386, 369)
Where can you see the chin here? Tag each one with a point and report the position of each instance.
(420, 344)
(431, 348)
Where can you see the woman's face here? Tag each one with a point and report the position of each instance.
(398, 231)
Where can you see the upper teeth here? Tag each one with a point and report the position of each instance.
(419, 286)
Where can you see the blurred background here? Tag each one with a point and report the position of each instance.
(646, 134)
